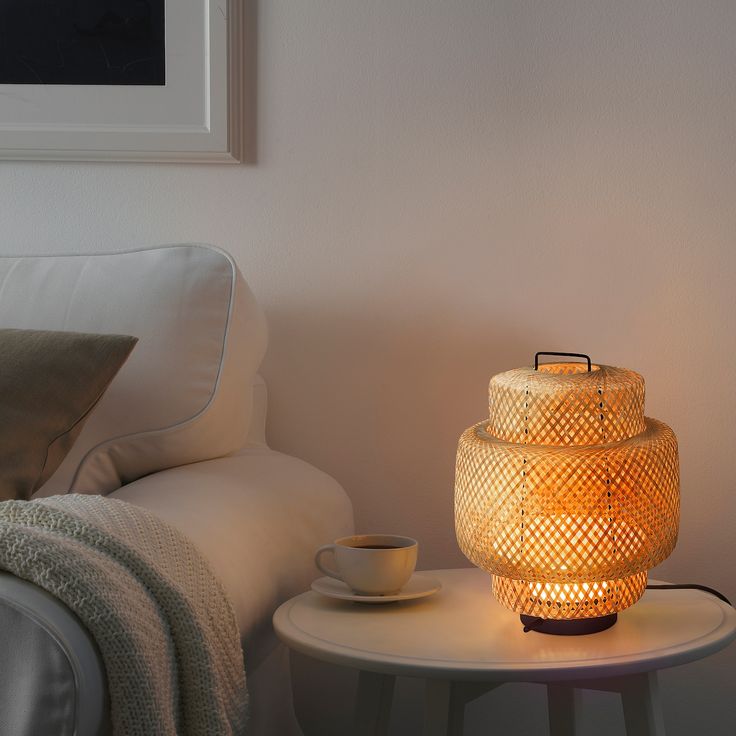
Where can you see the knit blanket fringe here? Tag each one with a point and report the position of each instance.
(161, 620)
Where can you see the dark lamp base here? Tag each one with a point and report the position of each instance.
(568, 627)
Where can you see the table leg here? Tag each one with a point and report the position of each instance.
(442, 716)
(444, 705)
(640, 698)
(373, 704)
(563, 704)
(642, 706)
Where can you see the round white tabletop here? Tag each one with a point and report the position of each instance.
(463, 634)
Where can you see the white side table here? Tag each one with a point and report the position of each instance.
(465, 644)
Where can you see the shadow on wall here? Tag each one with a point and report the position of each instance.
(380, 406)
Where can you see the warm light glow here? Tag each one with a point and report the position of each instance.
(567, 541)
(567, 494)
(569, 600)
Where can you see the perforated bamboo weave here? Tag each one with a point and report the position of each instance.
(564, 404)
(567, 519)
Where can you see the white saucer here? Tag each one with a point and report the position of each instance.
(419, 586)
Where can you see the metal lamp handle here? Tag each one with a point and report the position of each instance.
(561, 355)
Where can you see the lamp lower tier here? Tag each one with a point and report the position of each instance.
(571, 600)
(568, 627)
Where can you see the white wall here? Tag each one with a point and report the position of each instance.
(442, 188)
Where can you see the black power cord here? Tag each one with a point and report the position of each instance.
(691, 586)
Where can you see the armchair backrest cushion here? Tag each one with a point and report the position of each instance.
(185, 393)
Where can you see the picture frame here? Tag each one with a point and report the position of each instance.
(195, 117)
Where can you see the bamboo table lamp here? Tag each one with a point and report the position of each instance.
(567, 494)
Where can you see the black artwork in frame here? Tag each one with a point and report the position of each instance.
(103, 42)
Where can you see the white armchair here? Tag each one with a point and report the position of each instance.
(181, 431)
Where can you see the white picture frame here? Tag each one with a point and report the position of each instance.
(197, 116)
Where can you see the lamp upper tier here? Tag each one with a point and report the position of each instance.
(564, 404)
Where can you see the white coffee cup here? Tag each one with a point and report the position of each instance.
(371, 564)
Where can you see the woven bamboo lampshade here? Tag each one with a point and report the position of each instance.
(567, 494)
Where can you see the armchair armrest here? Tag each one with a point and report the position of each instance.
(257, 516)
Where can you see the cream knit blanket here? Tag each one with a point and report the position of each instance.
(165, 629)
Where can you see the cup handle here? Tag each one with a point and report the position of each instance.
(318, 561)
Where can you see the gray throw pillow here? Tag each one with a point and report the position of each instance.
(49, 384)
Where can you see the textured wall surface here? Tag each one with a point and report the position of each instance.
(440, 189)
